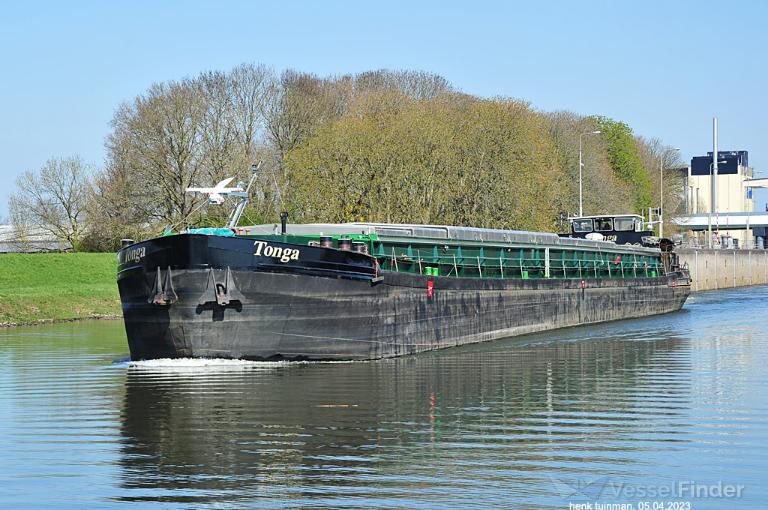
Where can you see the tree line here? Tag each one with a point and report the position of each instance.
(384, 146)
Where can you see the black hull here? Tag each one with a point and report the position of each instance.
(303, 313)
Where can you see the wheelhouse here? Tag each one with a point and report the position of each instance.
(607, 224)
(618, 228)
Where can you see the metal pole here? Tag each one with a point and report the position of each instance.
(661, 195)
(713, 205)
(581, 208)
(581, 164)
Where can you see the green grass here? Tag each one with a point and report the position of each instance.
(57, 286)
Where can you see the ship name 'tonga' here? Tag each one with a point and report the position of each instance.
(283, 254)
(133, 256)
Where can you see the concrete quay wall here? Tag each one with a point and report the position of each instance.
(724, 269)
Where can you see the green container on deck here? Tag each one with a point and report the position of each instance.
(428, 271)
(435, 271)
(653, 274)
(525, 275)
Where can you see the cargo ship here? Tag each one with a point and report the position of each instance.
(362, 291)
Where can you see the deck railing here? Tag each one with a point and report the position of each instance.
(544, 263)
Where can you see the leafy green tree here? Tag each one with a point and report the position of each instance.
(389, 146)
(626, 161)
(450, 159)
(603, 191)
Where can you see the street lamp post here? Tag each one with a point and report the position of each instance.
(581, 165)
(661, 189)
(713, 200)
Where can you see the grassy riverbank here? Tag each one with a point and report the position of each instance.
(44, 287)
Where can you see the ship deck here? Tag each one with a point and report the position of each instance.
(467, 252)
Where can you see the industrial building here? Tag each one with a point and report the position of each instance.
(734, 195)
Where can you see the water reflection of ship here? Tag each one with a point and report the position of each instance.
(301, 430)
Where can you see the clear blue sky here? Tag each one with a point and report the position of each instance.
(666, 68)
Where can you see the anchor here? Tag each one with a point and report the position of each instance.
(221, 293)
(163, 292)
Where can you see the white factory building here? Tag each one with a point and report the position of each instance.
(734, 195)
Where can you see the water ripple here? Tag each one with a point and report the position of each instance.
(522, 422)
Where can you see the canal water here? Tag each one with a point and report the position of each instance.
(663, 412)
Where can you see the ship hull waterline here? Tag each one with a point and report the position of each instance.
(278, 314)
